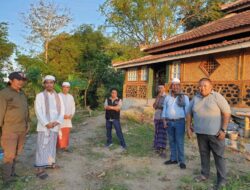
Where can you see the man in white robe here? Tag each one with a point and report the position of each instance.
(49, 109)
(69, 105)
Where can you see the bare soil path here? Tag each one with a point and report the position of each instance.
(91, 166)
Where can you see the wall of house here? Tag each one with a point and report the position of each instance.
(227, 69)
(135, 89)
(246, 66)
(231, 78)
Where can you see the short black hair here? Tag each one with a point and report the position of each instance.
(205, 79)
(113, 89)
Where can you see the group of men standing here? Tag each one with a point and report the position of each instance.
(210, 113)
(173, 116)
(54, 113)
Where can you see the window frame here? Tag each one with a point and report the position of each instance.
(130, 73)
(144, 75)
(175, 69)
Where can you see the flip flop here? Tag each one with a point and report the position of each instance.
(53, 166)
(42, 175)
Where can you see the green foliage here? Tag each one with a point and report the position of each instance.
(34, 68)
(77, 86)
(6, 47)
(95, 61)
(200, 12)
(123, 51)
(142, 21)
(101, 94)
(64, 54)
(6, 50)
(82, 58)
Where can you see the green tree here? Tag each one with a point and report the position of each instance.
(6, 50)
(143, 21)
(201, 12)
(64, 56)
(94, 61)
(35, 69)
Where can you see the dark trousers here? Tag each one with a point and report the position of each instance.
(12, 144)
(118, 130)
(207, 144)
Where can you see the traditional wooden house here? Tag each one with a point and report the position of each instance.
(219, 50)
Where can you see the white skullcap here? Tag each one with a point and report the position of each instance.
(49, 77)
(176, 81)
(66, 84)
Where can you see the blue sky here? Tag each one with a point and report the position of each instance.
(83, 12)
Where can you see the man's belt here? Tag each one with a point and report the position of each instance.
(178, 119)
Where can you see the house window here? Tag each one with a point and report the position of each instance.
(209, 66)
(144, 73)
(176, 69)
(132, 74)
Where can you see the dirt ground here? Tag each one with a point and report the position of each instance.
(91, 166)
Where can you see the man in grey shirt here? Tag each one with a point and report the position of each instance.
(211, 114)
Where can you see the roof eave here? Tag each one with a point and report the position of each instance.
(172, 58)
(229, 32)
(236, 8)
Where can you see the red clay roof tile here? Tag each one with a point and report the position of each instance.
(182, 52)
(212, 28)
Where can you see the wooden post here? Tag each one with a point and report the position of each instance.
(167, 73)
(124, 95)
(150, 82)
(247, 127)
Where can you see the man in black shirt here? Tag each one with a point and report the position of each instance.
(112, 106)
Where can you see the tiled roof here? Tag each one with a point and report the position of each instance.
(182, 52)
(234, 4)
(219, 26)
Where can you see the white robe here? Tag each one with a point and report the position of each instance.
(54, 115)
(69, 105)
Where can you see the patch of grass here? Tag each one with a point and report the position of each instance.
(238, 182)
(235, 182)
(27, 183)
(139, 139)
(187, 183)
(78, 118)
(114, 187)
(112, 179)
(96, 113)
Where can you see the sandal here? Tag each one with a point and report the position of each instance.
(53, 166)
(42, 175)
(200, 178)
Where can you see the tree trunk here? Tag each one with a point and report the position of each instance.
(86, 93)
(46, 47)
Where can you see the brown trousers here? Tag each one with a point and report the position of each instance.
(12, 144)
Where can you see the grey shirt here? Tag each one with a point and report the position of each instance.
(207, 112)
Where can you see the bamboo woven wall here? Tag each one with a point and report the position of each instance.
(236, 92)
(228, 68)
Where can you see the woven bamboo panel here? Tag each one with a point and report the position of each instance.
(227, 66)
(142, 91)
(246, 96)
(235, 92)
(136, 91)
(131, 91)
